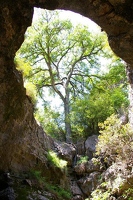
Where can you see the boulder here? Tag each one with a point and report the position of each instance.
(76, 191)
(77, 197)
(88, 167)
(90, 145)
(66, 151)
(80, 146)
(89, 183)
(118, 178)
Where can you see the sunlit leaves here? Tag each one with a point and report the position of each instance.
(22, 66)
(115, 140)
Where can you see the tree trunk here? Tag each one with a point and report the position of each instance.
(67, 118)
(130, 93)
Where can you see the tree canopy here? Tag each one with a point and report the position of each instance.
(67, 60)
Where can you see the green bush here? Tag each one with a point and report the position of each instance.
(116, 140)
(100, 195)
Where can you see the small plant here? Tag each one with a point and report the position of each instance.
(31, 91)
(96, 161)
(83, 159)
(128, 194)
(100, 195)
(37, 175)
(59, 191)
(55, 160)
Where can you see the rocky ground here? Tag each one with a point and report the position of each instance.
(85, 177)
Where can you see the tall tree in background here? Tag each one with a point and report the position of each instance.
(63, 59)
(107, 96)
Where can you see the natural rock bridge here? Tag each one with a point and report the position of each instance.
(22, 142)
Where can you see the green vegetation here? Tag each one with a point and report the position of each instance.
(82, 159)
(100, 195)
(66, 60)
(56, 161)
(25, 68)
(56, 190)
(128, 194)
(115, 145)
(59, 191)
(115, 140)
(51, 121)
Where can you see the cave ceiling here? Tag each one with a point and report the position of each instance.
(19, 132)
(114, 16)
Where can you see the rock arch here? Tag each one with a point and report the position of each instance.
(23, 142)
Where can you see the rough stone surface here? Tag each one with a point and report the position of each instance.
(80, 146)
(87, 167)
(89, 183)
(75, 189)
(118, 177)
(90, 145)
(77, 197)
(66, 152)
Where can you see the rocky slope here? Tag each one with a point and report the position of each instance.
(84, 178)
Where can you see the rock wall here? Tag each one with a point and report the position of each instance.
(22, 142)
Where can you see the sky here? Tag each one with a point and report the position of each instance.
(77, 18)
(74, 17)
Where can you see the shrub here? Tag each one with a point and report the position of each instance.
(116, 140)
(100, 195)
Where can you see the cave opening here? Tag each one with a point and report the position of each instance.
(49, 109)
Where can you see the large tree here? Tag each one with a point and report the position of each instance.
(63, 58)
(107, 96)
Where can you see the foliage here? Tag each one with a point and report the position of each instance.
(36, 174)
(82, 159)
(22, 65)
(100, 195)
(67, 60)
(59, 191)
(107, 95)
(128, 194)
(116, 140)
(54, 189)
(25, 68)
(51, 121)
(56, 161)
(63, 58)
(31, 91)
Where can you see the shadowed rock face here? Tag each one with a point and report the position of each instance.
(22, 142)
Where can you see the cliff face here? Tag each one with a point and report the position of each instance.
(23, 143)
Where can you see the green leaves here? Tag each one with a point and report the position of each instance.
(67, 60)
(107, 95)
(115, 141)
